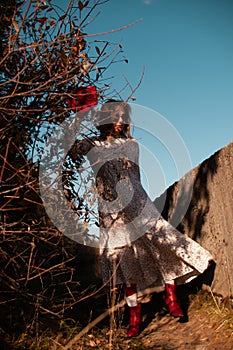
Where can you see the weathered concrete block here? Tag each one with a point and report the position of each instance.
(209, 217)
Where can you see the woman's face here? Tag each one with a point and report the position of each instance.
(118, 126)
(119, 120)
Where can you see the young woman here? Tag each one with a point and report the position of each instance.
(138, 246)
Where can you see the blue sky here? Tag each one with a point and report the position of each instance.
(186, 48)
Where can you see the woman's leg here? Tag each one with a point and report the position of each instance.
(170, 299)
(134, 309)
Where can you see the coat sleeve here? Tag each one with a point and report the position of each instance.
(80, 149)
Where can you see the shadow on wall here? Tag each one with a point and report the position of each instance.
(199, 206)
(175, 197)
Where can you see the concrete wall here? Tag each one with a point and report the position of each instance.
(209, 217)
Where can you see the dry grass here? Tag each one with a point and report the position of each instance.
(110, 334)
(216, 307)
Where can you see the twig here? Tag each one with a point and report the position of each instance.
(210, 290)
(94, 323)
(137, 86)
(114, 30)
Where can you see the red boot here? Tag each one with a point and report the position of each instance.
(134, 309)
(171, 301)
(135, 321)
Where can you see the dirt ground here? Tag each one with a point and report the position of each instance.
(205, 327)
(203, 331)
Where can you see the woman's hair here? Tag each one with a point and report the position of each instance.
(109, 114)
